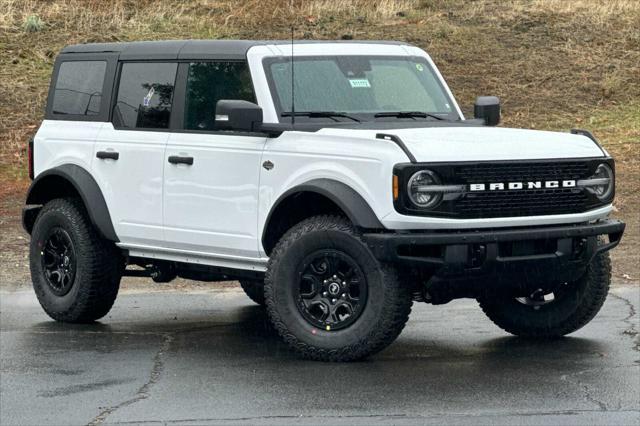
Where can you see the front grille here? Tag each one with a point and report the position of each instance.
(508, 203)
(521, 202)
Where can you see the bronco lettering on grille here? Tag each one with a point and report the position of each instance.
(510, 186)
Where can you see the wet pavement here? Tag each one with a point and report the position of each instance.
(211, 358)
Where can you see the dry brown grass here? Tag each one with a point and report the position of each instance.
(556, 64)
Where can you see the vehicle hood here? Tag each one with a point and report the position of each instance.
(440, 144)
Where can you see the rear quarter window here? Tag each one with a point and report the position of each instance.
(78, 88)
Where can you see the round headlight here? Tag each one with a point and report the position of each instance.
(418, 190)
(603, 174)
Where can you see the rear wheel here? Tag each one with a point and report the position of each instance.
(254, 289)
(75, 273)
(554, 313)
(328, 297)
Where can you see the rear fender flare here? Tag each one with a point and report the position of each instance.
(44, 189)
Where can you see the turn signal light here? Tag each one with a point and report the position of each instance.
(395, 188)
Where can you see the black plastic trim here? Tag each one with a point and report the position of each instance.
(31, 155)
(176, 159)
(108, 155)
(345, 197)
(446, 172)
(176, 119)
(196, 49)
(396, 139)
(39, 193)
(385, 245)
(29, 215)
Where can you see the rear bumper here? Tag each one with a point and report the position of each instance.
(525, 255)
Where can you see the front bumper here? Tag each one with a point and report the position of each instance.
(527, 256)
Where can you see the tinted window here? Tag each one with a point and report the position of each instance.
(78, 88)
(207, 83)
(145, 94)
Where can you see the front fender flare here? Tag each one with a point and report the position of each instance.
(346, 198)
(42, 190)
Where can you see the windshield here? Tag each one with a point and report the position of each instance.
(364, 88)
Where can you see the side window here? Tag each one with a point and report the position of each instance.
(78, 89)
(145, 95)
(207, 83)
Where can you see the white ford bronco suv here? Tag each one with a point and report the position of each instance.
(339, 182)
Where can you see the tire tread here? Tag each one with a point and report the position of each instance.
(98, 291)
(254, 290)
(596, 288)
(390, 324)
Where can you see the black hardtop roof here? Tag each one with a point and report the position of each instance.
(193, 49)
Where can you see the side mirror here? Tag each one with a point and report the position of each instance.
(487, 108)
(238, 115)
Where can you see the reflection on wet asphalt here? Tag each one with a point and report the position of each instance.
(212, 358)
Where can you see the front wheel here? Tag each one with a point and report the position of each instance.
(564, 310)
(328, 297)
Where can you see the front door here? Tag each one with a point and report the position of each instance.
(211, 177)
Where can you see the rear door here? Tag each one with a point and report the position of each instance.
(129, 151)
(211, 176)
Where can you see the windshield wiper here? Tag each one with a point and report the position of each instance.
(408, 114)
(318, 114)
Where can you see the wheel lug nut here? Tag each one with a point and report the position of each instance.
(334, 300)
(324, 293)
(344, 283)
(344, 295)
(325, 281)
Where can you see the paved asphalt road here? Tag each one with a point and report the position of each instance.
(210, 357)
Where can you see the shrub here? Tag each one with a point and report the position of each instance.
(33, 24)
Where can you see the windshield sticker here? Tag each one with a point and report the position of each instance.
(147, 99)
(419, 67)
(359, 82)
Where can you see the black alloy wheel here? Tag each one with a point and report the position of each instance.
(332, 290)
(58, 260)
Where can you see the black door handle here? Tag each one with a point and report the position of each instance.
(176, 159)
(110, 155)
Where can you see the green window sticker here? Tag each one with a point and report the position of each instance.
(359, 82)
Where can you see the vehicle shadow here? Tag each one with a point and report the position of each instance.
(245, 332)
(213, 348)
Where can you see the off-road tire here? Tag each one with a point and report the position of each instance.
(560, 317)
(385, 312)
(98, 265)
(254, 289)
